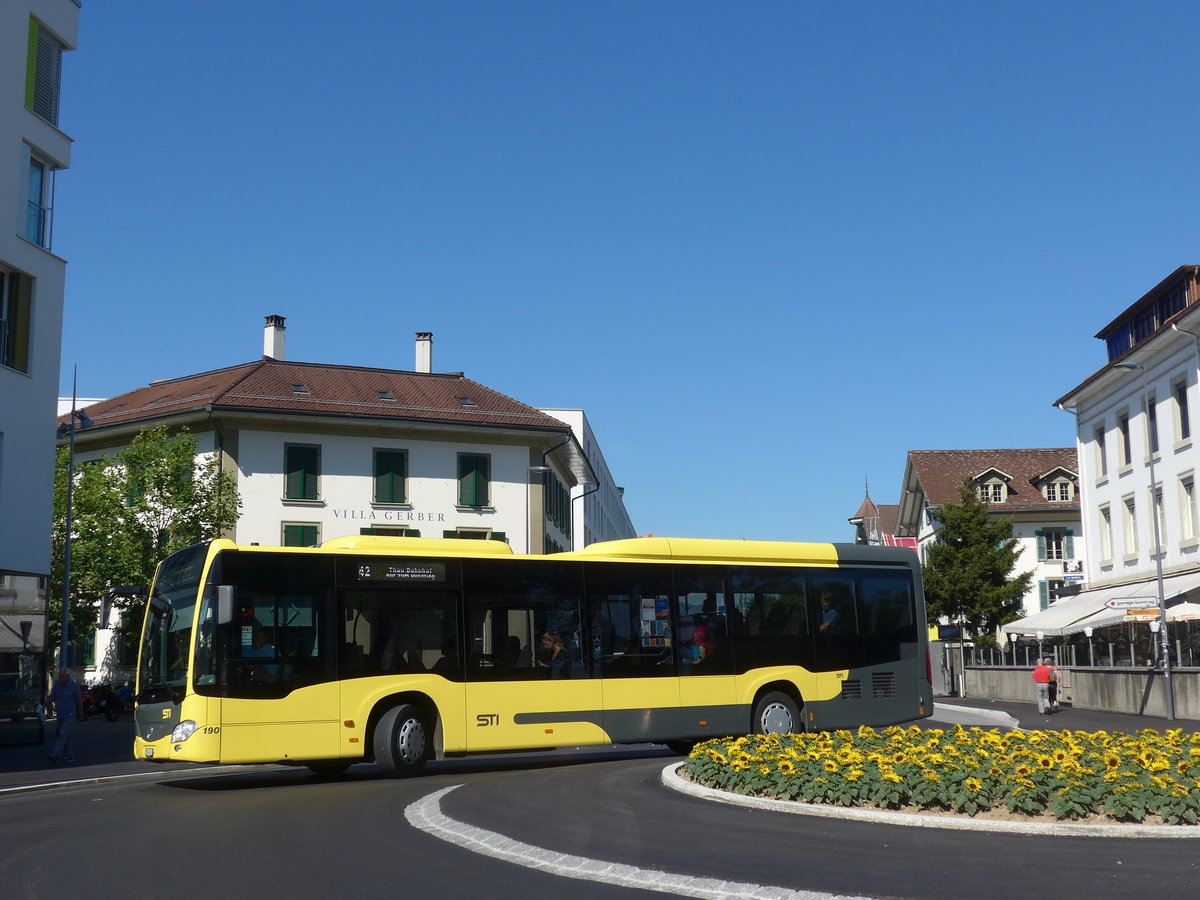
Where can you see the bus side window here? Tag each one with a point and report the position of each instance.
(628, 632)
(890, 625)
(838, 637)
(512, 605)
(702, 633)
(770, 617)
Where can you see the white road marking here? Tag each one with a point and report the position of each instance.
(426, 815)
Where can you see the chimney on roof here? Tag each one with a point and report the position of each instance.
(273, 338)
(424, 351)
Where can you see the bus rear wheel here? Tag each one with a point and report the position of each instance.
(777, 713)
(401, 746)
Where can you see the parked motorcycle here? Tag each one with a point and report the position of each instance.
(102, 698)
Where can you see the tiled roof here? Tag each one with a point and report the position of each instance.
(941, 472)
(271, 386)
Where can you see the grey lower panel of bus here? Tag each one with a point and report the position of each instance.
(878, 695)
(634, 726)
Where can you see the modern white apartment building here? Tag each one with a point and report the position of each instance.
(1135, 424)
(34, 34)
(597, 511)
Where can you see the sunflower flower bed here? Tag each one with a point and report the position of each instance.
(1074, 775)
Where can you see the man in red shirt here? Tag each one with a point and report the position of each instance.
(1041, 681)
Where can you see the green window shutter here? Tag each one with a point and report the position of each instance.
(299, 535)
(1041, 547)
(1068, 545)
(302, 466)
(87, 648)
(391, 472)
(1043, 595)
(474, 474)
(449, 534)
(499, 536)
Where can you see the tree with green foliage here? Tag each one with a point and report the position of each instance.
(969, 570)
(129, 512)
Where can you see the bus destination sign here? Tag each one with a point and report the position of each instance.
(397, 571)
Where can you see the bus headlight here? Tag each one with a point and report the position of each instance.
(183, 731)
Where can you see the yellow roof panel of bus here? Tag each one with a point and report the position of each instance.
(700, 549)
(378, 543)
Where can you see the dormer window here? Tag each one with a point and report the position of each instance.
(991, 486)
(299, 389)
(1057, 485)
(992, 491)
(1058, 491)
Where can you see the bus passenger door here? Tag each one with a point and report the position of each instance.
(281, 703)
(528, 682)
(632, 644)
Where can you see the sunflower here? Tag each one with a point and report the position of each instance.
(787, 767)
(973, 785)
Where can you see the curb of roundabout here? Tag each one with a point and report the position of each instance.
(674, 781)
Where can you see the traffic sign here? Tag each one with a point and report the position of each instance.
(1129, 602)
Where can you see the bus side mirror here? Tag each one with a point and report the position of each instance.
(226, 600)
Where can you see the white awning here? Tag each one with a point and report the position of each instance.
(1088, 609)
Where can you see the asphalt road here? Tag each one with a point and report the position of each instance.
(280, 832)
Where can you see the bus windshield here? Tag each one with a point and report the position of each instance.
(162, 668)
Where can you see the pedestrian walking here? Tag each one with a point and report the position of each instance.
(68, 705)
(1053, 692)
(1041, 683)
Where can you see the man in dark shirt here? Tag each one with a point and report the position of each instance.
(68, 705)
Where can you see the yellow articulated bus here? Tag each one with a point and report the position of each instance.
(401, 649)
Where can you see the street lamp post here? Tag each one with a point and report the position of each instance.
(67, 430)
(1164, 634)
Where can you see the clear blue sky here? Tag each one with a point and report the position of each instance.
(769, 247)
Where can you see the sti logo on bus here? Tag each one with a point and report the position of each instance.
(483, 720)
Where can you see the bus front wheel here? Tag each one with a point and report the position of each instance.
(401, 746)
(777, 713)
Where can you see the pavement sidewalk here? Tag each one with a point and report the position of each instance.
(1069, 718)
(101, 748)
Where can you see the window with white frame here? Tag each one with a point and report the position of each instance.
(1187, 507)
(1058, 490)
(1183, 424)
(1106, 533)
(1130, 531)
(1053, 543)
(991, 491)
(1156, 501)
(38, 203)
(1101, 452)
(1126, 448)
